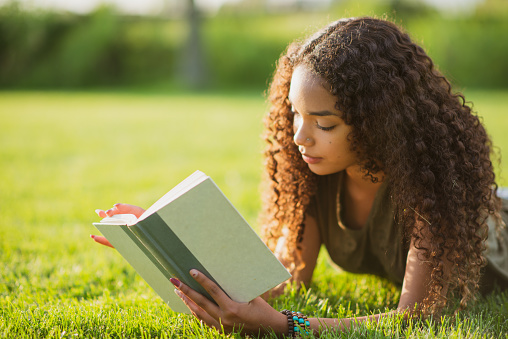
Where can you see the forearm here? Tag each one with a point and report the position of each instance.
(280, 289)
(274, 292)
(319, 325)
(310, 246)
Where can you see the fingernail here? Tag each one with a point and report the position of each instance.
(194, 273)
(92, 236)
(175, 282)
(178, 293)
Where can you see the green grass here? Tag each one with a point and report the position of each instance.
(65, 154)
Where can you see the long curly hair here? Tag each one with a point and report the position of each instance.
(407, 123)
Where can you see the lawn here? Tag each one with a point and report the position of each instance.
(64, 154)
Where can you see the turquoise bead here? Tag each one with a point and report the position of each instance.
(296, 329)
(307, 323)
(295, 318)
(301, 321)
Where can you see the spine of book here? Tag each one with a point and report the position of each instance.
(169, 251)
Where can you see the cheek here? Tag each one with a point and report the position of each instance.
(338, 146)
(333, 148)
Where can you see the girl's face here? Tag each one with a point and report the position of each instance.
(320, 133)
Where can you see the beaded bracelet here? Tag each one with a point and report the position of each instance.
(297, 323)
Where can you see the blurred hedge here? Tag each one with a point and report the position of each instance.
(471, 52)
(40, 49)
(44, 49)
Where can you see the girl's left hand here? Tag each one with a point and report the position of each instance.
(254, 317)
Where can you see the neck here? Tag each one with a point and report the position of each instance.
(358, 178)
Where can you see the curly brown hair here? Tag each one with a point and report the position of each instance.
(407, 123)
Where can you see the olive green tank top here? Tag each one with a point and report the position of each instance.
(380, 247)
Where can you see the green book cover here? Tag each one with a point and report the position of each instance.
(195, 226)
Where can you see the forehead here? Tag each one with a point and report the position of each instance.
(303, 74)
(309, 90)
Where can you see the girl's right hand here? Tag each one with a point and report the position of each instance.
(116, 209)
(121, 209)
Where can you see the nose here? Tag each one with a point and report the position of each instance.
(301, 137)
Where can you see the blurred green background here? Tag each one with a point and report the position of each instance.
(233, 47)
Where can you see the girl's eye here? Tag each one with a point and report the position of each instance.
(325, 128)
(296, 119)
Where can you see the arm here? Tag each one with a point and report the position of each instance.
(416, 280)
(257, 316)
(414, 290)
(310, 245)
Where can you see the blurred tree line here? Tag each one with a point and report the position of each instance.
(236, 48)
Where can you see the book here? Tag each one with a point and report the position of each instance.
(194, 225)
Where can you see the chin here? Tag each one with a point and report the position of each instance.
(322, 171)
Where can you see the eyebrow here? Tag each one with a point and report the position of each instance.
(319, 113)
(323, 114)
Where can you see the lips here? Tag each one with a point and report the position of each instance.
(310, 159)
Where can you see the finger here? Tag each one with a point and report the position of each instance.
(200, 300)
(197, 311)
(212, 288)
(126, 209)
(118, 209)
(101, 240)
(101, 213)
(112, 211)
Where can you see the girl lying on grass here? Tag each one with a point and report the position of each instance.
(372, 155)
